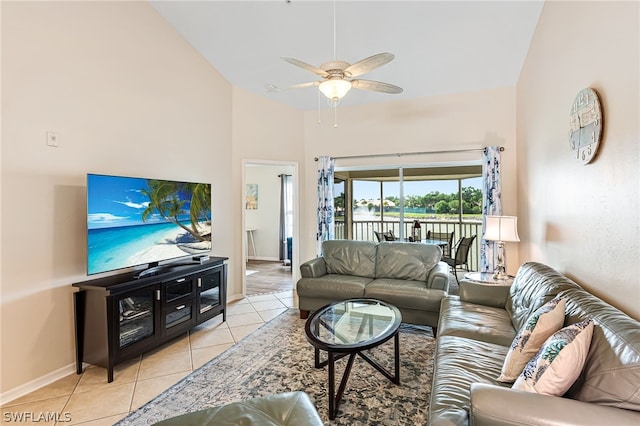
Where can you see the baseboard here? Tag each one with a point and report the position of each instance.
(36, 384)
(267, 259)
(234, 297)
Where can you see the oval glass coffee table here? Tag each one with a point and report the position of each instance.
(348, 328)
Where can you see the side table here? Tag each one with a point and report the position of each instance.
(487, 278)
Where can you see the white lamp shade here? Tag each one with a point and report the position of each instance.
(501, 228)
(335, 89)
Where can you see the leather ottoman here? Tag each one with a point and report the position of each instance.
(290, 408)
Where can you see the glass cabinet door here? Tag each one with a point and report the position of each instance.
(136, 317)
(209, 291)
(178, 305)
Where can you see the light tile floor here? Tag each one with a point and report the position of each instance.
(89, 400)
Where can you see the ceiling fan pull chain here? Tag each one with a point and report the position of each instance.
(335, 114)
(318, 106)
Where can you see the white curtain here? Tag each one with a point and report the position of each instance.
(325, 202)
(491, 203)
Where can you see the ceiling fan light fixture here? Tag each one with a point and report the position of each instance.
(335, 89)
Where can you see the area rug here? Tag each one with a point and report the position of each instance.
(277, 358)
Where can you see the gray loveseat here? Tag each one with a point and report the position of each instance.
(407, 275)
(476, 330)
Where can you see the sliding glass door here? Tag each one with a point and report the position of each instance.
(445, 202)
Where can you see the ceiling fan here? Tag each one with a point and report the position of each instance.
(338, 77)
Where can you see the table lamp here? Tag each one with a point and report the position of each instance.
(501, 229)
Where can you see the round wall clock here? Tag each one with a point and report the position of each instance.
(585, 125)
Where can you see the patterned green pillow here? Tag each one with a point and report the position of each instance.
(545, 321)
(559, 361)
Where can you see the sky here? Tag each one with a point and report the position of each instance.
(370, 190)
(114, 201)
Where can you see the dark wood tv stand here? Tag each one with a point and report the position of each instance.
(120, 317)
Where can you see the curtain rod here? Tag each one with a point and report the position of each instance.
(401, 154)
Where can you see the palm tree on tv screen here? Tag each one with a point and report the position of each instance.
(163, 198)
(200, 201)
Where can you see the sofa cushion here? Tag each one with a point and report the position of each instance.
(405, 294)
(289, 408)
(459, 363)
(333, 287)
(406, 261)
(478, 322)
(559, 361)
(611, 374)
(545, 321)
(534, 285)
(346, 257)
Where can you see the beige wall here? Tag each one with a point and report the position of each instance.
(582, 220)
(266, 132)
(127, 96)
(462, 121)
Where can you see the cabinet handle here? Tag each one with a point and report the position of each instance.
(180, 280)
(199, 282)
(157, 294)
(180, 307)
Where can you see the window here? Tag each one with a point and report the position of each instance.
(443, 200)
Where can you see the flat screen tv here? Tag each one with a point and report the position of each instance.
(133, 221)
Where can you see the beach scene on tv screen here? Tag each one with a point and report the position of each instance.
(135, 221)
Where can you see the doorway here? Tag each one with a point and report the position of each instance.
(269, 249)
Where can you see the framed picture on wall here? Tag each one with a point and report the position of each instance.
(252, 196)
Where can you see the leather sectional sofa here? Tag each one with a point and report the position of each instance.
(407, 275)
(476, 330)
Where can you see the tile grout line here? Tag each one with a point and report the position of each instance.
(135, 384)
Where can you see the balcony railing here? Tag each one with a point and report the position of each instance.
(363, 231)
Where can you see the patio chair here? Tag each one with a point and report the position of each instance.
(385, 236)
(444, 236)
(461, 259)
(389, 236)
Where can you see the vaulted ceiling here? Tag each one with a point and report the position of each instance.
(440, 47)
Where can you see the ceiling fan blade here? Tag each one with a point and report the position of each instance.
(274, 88)
(376, 86)
(368, 64)
(304, 65)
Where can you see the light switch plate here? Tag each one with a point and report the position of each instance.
(52, 138)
